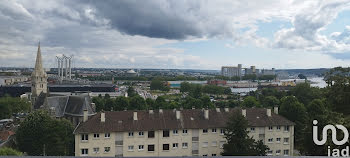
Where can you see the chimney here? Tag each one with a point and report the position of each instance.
(150, 111)
(93, 105)
(178, 114)
(275, 109)
(226, 109)
(193, 108)
(161, 111)
(103, 116)
(244, 112)
(217, 109)
(135, 115)
(268, 112)
(206, 114)
(85, 115)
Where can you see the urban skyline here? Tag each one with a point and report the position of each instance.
(177, 35)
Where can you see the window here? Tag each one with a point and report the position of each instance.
(286, 128)
(278, 152)
(151, 147)
(141, 147)
(270, 140)
(285, 140)
(96, 135)
(84, 137)
(222, 131)
(130, 148)
(175, 132)
(270, 128)
(165, 146)
(278, 129)
(270, 152)
(184, 145)
(184, 131)
(107, 149)
(222, 144)
(84, 151)
(205, 144)
(96, 150)
(213, 154)
(141, 133)
(278, 140)
(150, 134)
(175, 145)
(165, 133)
(131, 134)
(214, 143)
(107, 135)
(205, 130)
(286, 152)
(213, 130)
(252, 129)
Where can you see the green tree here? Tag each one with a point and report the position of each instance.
(238, 141)
(196, 91)
(122, 103)
(160, 103)
(305, 93)
(4, 151)
(295, 111)
(137, 103)
(40, 134)
(10, 105)
(270, 101)
(250, 101)
(131, 92)
(185, 87)
(227, 91)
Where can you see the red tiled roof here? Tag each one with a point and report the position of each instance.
(4, 135)
(118, 121)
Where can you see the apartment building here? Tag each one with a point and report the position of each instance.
(231, 71)
(190, 132)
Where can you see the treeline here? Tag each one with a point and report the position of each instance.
(138, 103)
(179, 78)
(197, 89)
(10, 105)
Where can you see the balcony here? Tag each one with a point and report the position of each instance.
(195, 139)
(119, 142)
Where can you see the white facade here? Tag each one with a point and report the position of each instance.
(178, 142)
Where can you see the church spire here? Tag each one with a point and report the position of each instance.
(38, 63)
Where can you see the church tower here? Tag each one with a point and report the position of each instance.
(39, 76)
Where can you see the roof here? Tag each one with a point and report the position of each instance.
(70, 105)
(4, 135)
(119, 121)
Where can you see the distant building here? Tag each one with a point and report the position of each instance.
(131, 73)
(10, 80)
(59, 106)
(268, 72)
(217, 82)
(231, 71)
(190, 132)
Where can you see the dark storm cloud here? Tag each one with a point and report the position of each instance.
(158, 19)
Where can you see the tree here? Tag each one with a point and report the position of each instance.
(40, 134)
(160, 103)
(4, 151)
(185, 87)
(238, 141)
(227, 91)
(196, 91)
(131, 91)
(270, 101)
(295, 111)
(305, 93)
(121, 103)
(10, 105)
(137, 103)
(250, 101)
(158, 85)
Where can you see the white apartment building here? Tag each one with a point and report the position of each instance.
(231, 71)
(190, 132)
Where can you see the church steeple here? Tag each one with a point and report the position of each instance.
(38, 63)
(39, 76)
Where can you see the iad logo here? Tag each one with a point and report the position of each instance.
(334, 134)
(332, 152)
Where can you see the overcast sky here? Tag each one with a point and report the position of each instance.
(196, 34)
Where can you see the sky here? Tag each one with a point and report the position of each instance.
(177, 34)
